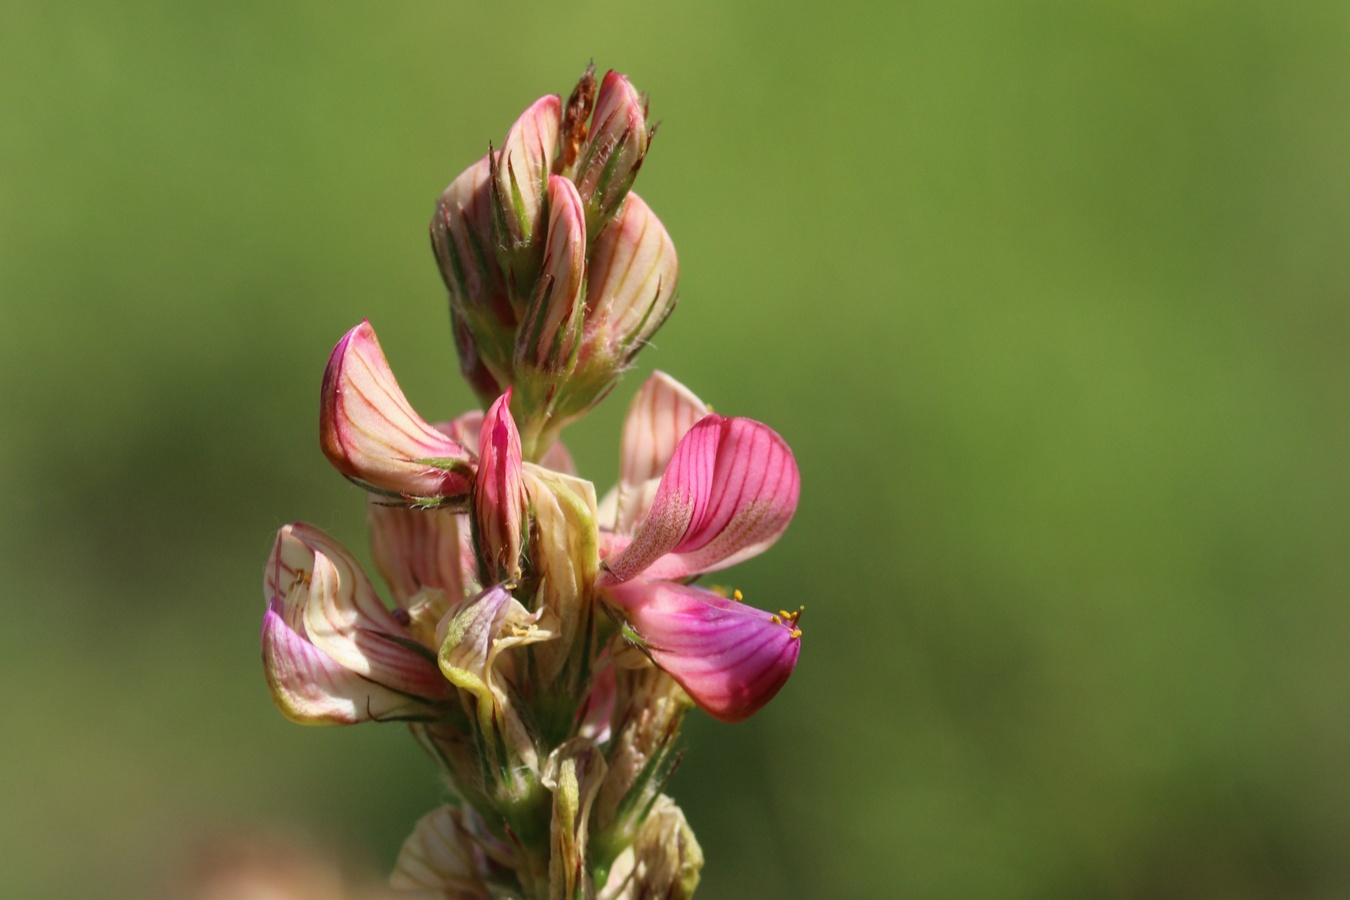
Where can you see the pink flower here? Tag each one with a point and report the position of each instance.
(371, 434)
(731, 658)
(728, 491)
(331, 651)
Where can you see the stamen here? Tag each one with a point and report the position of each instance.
(737, 596)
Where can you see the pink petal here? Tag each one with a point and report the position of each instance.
(549, 331)
(521, 170)
(324, 597)
(630, 287)
(499, 493)
(728, 493)
(371, 434)
(461, 237)
(419, 548)
(730, 658)
(311, 688)
(662, 411)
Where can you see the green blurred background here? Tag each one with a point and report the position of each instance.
(1049, 298)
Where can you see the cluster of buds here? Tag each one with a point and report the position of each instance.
(543, 646)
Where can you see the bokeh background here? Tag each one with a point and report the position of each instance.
(1050, 298)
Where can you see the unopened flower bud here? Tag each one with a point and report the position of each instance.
(519, 185)
(574, 772)
(370, 433)
(649, 708)
(547, 341)
(480, 310)
(614, 152)
(499, 494)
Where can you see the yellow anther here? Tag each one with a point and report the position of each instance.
(737, 596)
(796, 633)
(775, 620)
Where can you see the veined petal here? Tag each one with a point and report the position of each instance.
(371, 434)
(461, 237)
(311, 688)
(445, 853)
(728, 493)
(548, 335)
(416, 549)
(498, 492)
(477, 632)
(564, 553)
(630, 288)
(731, 658)
(313, 583)
(519, 183)
(662, 411)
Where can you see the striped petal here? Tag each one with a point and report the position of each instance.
(371, 434)
(662, 411)
(728, 493)
(519, 175)
(630, 288)
(322, 595)
(447, 853)
(499, 493)
(731, 658)
(419, 549)
(311, 688)
(552, 324)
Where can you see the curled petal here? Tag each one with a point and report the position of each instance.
(477, 632)
(498, 493)
(371, 434)
(311, 688)
(322, 594)
(630, 288)
(728, 493)
(731, 658)
(662, 411)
